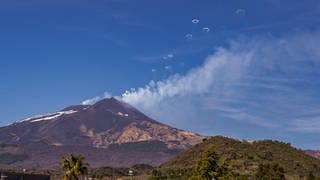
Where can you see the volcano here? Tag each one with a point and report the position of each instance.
(108, 133)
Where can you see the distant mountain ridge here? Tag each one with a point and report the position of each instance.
(110, 128)
(314, 153)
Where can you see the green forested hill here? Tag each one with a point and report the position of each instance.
(244, 157)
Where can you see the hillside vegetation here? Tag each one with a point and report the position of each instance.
(244, 157)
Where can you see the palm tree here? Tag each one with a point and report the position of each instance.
(74, 167)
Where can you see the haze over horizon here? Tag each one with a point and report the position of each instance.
(249, 69)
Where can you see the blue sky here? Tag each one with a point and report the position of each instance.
(253, 74)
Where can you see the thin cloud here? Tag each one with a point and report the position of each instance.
(189, 36)
(169, 56)
(306, 125)
(167, 67)
(307, 120)
(195, 21)
(206, 29)
(240, 12)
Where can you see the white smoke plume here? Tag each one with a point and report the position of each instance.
(255, 82)
(96, 99)
(198, 81)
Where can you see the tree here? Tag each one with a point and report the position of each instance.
(270, 171)
(74, 167)
(207, 167)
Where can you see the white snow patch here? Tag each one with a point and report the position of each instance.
(122, 114)
(50, 116)
(56, 144)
